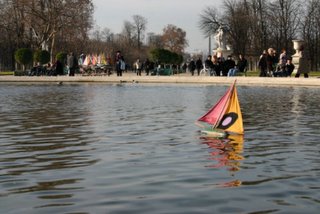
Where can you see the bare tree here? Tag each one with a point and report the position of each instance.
(127, 32)
(284, 22)
(238, 19)
(140, 24)
(210, 20)
(311, 31)
(106, 35)
(258, 26)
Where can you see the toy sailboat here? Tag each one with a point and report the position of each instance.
(225, 117)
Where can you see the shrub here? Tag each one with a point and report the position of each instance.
(62, 57)
(165, 56)
(23, 56)
(41, 56)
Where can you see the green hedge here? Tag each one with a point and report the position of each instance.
(23, 56)
(41, 56)
(62, 57)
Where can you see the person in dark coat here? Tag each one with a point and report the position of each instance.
(227, 65)
(289, 67)
(262, 64)
(147, 66)
(58, 67)
(209, 65)
(192, 66)
(272, 61)
(242, 63)
(199, 65)
(304, 63)
(118, 63)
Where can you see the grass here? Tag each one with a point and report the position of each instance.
(256, 73)
(3, 73)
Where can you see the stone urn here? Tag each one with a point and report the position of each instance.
(295, 58)
(297, 45)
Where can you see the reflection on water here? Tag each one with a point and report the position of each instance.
(226, 152)
(96, 148)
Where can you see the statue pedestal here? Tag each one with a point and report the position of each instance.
(295, 58)
(222, 52)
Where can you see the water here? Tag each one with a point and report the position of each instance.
(133, 148)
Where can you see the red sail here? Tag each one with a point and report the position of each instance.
(214, 115)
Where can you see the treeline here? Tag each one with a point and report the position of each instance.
(43, 24)
(256, 25)
(67, 25)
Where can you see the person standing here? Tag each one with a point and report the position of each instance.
(262, 64)
(216, 67)
(242, 64)
(118, 63)
(304, 65)
(192, 66)
(199, 65)
(147, 66)
(58, 67)
(138, 67)
(184, 67)
(122, 64)
(72, 63)
(270, 62)
(209, 65)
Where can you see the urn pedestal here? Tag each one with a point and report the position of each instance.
(295, 58)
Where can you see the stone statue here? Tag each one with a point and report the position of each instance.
(220, 37)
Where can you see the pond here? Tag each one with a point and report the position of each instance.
(134, 148)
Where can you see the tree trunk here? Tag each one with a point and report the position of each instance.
(52, 58)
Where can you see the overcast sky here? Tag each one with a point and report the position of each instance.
(159, 13)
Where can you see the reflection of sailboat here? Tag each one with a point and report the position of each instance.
(226, 152)
(225, 117)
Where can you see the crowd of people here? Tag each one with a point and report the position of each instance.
(218, 66)
(269, 65)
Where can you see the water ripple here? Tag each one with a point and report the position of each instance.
(131, 148)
